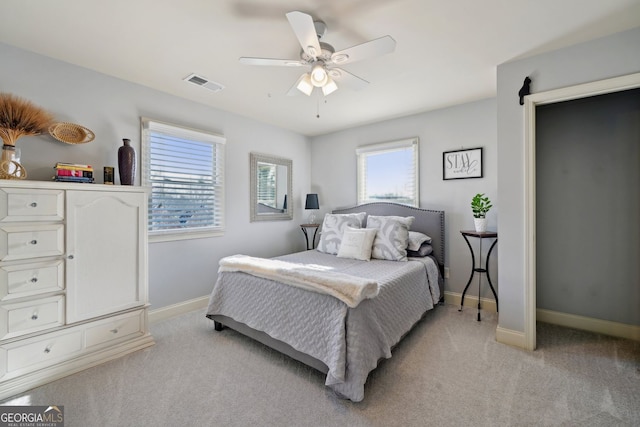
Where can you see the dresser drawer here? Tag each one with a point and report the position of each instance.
(31, 241)
(22, 280)
(42, 351)
(19, 204)
(31, 316)
(115, 328)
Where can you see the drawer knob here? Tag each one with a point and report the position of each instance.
(70, 257)
(34, 242)
(34, 279)
(34, 316)
(33, 204)
(47, 349)
(114, 331)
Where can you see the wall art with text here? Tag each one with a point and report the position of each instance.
(461, 164)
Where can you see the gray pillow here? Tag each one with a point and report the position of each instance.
(333, 227)
(392, 237)
(425, 249)
(416, 239)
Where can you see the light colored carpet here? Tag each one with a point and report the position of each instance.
(449, 371)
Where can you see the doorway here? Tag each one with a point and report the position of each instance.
(532, 103)
(588, 211)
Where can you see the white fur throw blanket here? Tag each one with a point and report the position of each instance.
(349, 289)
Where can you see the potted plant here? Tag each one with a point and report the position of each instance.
(18, 118)
(480, 205)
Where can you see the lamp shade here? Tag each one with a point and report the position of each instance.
(304, 84)
(329, 87)
(312, 202)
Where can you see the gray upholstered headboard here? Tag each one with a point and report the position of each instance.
(429, 222)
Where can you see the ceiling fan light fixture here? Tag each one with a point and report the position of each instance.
(329, 87)
(319, 57)
(319, 75)
(304, 84)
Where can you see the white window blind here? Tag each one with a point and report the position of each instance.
(185, 170)
(389, 172)
(267, 184)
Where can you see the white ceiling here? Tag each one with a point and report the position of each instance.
(447, 50)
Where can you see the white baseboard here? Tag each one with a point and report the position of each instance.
(503, 336)
(511, 337)
(454, 298)
(600, 326)
(174, 310)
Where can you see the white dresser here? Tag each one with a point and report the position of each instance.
(73, 279)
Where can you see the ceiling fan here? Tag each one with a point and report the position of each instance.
(321, 59)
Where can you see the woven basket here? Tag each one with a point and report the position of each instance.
(10, 169)
(70, 133)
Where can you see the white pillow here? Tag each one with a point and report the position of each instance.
(392, 237)
(356, 243)
(333, 227)
(416, 239)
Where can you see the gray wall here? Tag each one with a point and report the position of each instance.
(588, 207)
(333, 173)
(181, 270)
(599, 59)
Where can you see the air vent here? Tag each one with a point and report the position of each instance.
(204, 82)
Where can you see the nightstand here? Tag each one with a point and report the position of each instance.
(480, 235)
(304, 228)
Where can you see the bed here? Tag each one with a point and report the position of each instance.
(337, 335)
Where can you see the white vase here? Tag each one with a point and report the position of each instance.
(480, 224)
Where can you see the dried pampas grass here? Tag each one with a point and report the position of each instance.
(19, 117)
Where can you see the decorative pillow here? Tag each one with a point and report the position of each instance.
(392, 237)
(356, 243)
(416, 239)
(425, 249)
(333, 227)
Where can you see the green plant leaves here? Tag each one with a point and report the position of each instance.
(480, 205)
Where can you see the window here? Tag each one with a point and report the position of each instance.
(185, 170)
(388, 172)
(267, 184)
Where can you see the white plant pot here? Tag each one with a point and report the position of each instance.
(480, 224)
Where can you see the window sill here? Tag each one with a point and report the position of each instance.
(169, 237)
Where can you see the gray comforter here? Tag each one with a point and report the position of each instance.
(350, 341)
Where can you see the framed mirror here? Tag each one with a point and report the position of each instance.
(270, 182)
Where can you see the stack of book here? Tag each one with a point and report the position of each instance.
(73, 172)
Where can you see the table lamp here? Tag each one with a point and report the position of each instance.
(312, 204)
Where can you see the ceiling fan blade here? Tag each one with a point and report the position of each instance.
(370, 49)
(346, 79)
(305, 31)
(275, 62)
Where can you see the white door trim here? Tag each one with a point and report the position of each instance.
(599, 87)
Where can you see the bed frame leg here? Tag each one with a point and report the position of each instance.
(217, 326)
